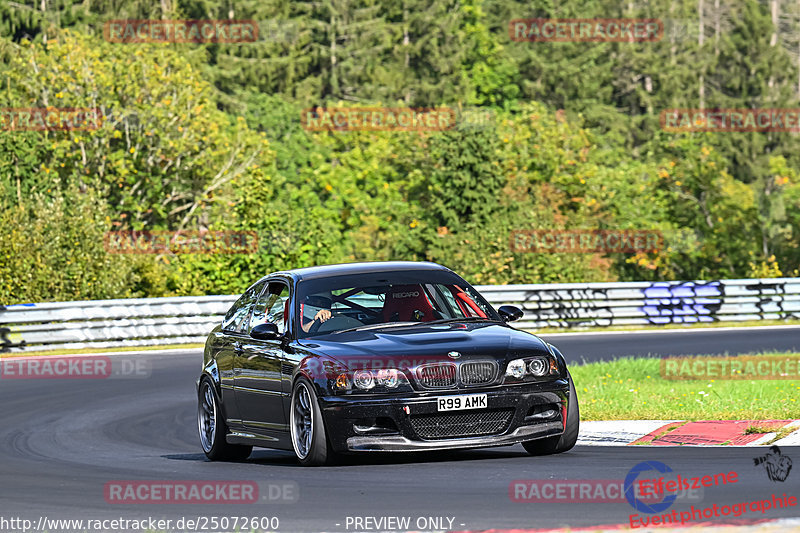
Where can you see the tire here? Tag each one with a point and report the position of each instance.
(309, 440)
(212, 428)
(565, 441)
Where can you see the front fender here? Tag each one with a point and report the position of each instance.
(210, 369)
(562, 362)
(321, 371)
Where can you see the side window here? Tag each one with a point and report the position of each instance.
(238, 313)
(473, 295)
(453, 309)
(271, 306)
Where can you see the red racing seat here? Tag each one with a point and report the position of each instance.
(407, 303)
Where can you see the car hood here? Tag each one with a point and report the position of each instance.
(414, 345)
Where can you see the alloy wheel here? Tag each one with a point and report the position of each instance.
(207, 416)
(302, 422)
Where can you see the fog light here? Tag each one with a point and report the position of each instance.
(363, 379)
(537, 367)
(388, 377)
(516, 368)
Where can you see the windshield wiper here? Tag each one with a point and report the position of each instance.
(375, 326)
(464, 319)
(407, 324)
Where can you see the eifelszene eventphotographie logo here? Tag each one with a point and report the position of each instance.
(775, 463)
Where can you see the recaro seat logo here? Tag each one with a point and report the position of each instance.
(413, 294)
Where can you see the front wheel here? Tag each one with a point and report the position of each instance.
(309, 440)
(565, 441)
(213, 429)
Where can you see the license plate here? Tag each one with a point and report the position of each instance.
(458, 403)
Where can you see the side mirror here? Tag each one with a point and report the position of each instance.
(510, 313)
(265, 332)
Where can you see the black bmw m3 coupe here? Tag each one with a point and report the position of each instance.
(395, 356)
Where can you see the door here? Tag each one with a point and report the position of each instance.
(227, 343)
(258, 381)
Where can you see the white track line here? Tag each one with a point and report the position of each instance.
(792, 439)
(617, 432)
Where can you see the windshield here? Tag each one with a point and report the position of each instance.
(345, 302)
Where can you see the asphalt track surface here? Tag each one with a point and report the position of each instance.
(62, 441)
(578, 347)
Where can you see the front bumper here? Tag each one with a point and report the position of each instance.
(537, 410)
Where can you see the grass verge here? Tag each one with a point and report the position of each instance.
(633, 389)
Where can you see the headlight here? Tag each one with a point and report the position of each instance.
(516, 368)
(364, 380)
(532, 367)
(538, 367)
(388, 378)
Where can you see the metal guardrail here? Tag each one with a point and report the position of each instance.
(578, 305)
(110, 323)
(156, 321)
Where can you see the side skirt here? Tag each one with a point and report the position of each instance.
(278, 442)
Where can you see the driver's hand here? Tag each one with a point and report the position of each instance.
(323, 315)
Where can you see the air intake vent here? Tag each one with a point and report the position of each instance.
(454, 425)
(437, 376)
(478, 373)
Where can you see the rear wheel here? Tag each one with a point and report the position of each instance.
(309, 440)
(212, 428)
(565, 441)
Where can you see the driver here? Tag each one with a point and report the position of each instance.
(315, 308)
